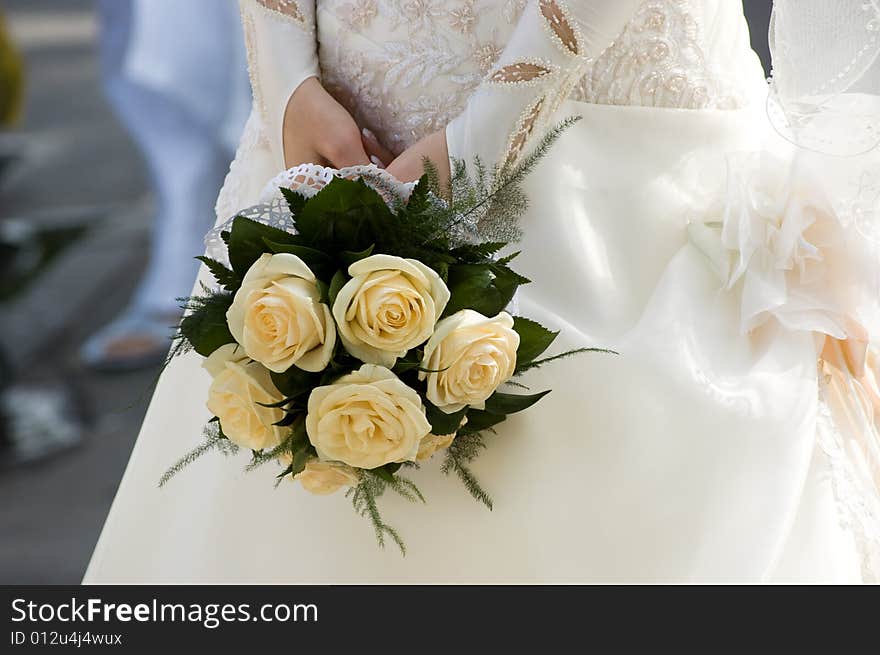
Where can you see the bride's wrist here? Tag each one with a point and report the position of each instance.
(409, 166)
(299, 107)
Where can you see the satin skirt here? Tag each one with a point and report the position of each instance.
(690, 456)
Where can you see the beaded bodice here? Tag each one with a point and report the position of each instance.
(405, 68)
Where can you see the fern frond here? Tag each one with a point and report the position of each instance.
(470, 482)
(261, 458)
(386, 190)
(406, 488)
(570, 353)
(488, 204)
(363, 499)
(527, 164)
(463, 450)
(214, 440)
(433, 177)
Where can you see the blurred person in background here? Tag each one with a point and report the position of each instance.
(11, 83)
(175, 73)
(10, 78)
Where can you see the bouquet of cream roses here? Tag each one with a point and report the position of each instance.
(368, 336)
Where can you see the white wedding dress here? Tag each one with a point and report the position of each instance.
(710, 450)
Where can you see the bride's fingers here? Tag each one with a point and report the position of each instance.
(379, 154)
(409, 166)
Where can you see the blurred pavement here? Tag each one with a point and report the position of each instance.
(79, 169)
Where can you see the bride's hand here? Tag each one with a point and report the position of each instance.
(409, 165)
(318, 130)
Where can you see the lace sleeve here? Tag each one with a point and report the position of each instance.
(282, 52)
(547, 54)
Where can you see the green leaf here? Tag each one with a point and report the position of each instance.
(382, 473)
(331, 374)
(508, 403)
(247, 242)
(441, 422)
(300, 459)
(479, 420)
(484, 288)
(419, 199)
(276, 405)
(295, 382)
(205, 326)
(349, 258)
(287, 421)
(507, 281)
(225, 277)
(300, 447)
(295, 200)
(470, 287)
(504, 261)
(477, 253)
(319, 263)
(534, 339)
(324, 289)
(300, 438)
(403, 366)
(286, 471)
(386, 472)
(344, 215)
(411, 361)
(339, 280)
(442, 269)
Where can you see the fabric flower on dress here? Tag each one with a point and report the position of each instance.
(774, 235)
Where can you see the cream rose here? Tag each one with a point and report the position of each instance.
(470, 356)
(238, 387)
(431, 443)
(278, 318)
(388, 307)
(323, 478)
(366, 419)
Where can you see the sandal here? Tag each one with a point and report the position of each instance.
(131, 342)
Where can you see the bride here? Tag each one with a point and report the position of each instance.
(733, 439)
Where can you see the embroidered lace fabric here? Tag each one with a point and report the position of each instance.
(405, 68)
(658, 61)
(289, 9)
